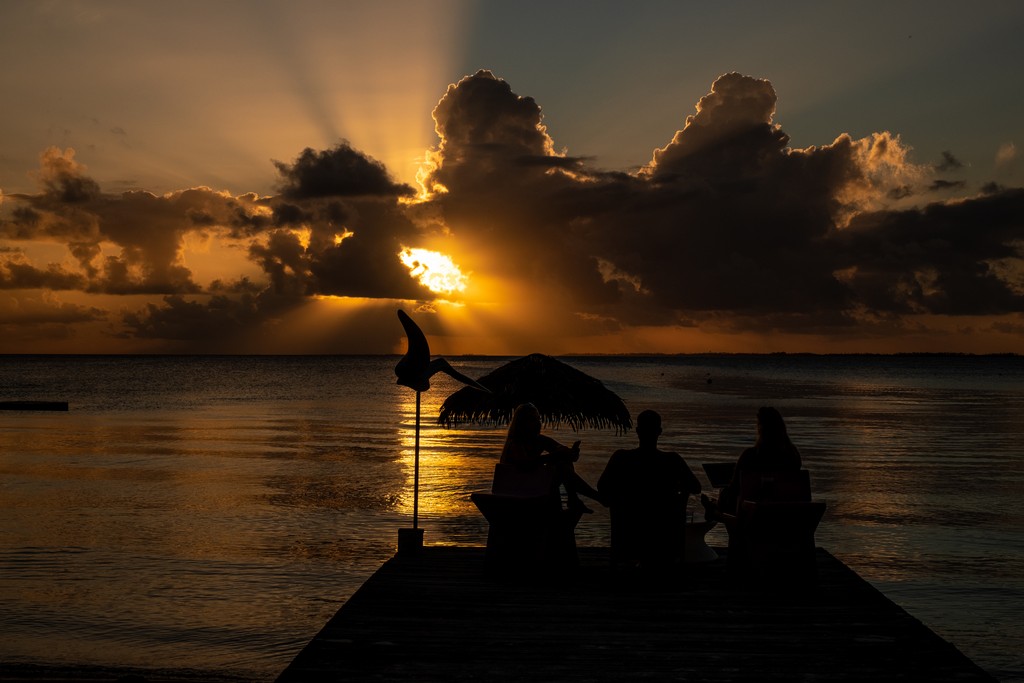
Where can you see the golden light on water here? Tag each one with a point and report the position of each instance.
(435, 271)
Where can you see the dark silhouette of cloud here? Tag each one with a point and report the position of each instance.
(221, 318)
(727, 228)
(337, 172)
(726, 219)
(948, 163)
(940, 185)
(17, 275)
(942, 258)
(35, 317)
(63, 179)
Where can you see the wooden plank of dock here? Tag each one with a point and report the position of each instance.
(437, 617)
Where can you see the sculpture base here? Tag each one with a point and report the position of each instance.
(410, 542)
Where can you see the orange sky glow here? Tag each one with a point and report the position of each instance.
(292, 193)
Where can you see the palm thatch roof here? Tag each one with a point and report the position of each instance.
(561, 393)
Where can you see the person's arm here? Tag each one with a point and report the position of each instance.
(690, 482)
(548, 445)
(609, 479)
(727, 498)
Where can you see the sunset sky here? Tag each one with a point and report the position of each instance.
(557, 177)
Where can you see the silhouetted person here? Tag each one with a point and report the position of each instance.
(646, 489)
(528, 449)
(772, 452)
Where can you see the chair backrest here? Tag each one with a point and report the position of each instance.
(719, 473)
(515, 481)
(778, 487)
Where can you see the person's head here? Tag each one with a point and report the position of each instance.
(648, 426)
(525, 422)
(771, 429)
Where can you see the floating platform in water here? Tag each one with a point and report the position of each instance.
(34, 405)
(438, 617)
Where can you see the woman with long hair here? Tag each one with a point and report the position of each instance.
(773, 451)
(526, 448)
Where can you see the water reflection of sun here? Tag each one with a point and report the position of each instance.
(452, 462)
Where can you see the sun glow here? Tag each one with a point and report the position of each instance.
(435, 271)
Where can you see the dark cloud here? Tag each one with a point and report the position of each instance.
(941, 185)
(727, 228)
(15, 275)
(365, 263)
(725, 221)
(729, 138)
(337, 230)
(487, 133)
(723, 206)
(948, 163)
(337, 172)
(901, 192)
(939, 259)
(146, 230)
(221, 319)
(63, 178)
(33, 310)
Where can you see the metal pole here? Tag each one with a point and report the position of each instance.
(416, 471)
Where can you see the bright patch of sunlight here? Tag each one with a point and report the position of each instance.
(435, 271)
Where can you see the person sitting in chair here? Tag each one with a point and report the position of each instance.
(526, 448)
(772, 452)
(646, 489)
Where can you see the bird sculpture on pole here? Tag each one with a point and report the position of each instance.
(414, 370)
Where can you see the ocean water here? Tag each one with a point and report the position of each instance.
(213, 512)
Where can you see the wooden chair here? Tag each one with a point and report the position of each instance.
(771, 536)
(648, 534)
(529, 528)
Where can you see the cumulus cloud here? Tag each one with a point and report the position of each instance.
(726, 222)
(179, 319)
(124, 244)
(488, 134)
(725, 218)
(727, 228)
(731, 130)
(337, 172)
(15, 274)
(336, 229)
(44, 309)
(28, 318)
(954, 258)
(64, 179)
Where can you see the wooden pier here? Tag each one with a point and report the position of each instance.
(438, 617)
(34, 405)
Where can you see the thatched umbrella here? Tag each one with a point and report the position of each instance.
(561, 393)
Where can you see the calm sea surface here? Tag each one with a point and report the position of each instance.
(213, 512)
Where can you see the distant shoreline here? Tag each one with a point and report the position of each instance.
(703, 354)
